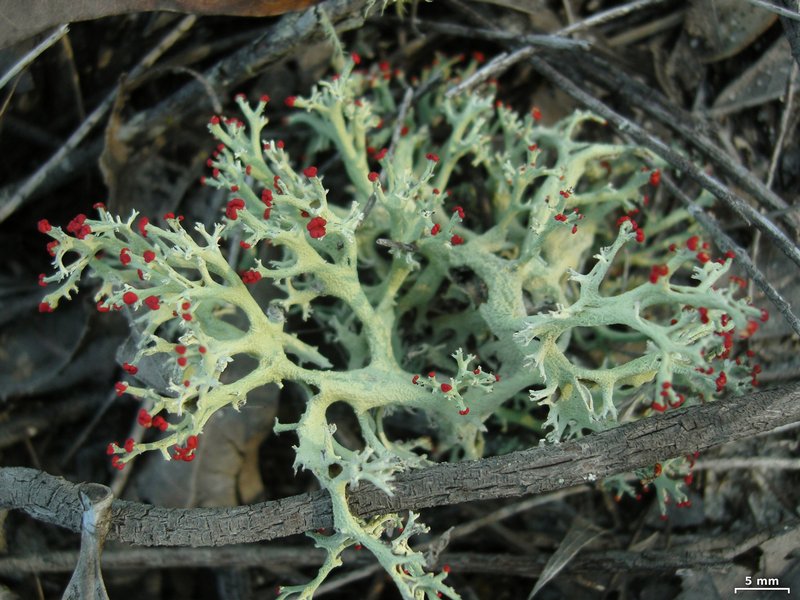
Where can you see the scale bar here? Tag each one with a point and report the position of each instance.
(762, 589)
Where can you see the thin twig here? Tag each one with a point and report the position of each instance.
(726, 464)
(538, 470)
(502, 62)
(724, 242)
(553, 41)
(785, 118)
(34, 181)
(494, 68)
(773, 163)
(609, 15)
(778, 10)
(34, 53)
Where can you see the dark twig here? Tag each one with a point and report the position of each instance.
(277, 558)
(622, 449)
(554, 42)
(33, 54)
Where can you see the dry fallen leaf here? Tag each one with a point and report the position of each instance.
(724, 28)
(762, 82)
(22, 19)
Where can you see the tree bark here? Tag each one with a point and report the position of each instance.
(635, 445)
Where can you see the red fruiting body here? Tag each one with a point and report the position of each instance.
(42, 282)
(436, 229)
(124, 257)
(692, 242)
(144, 419)
(310, 172)
(432, 157)
(244, 245)
(266, 197)
(381, 154)
(464, 412)
(51, 247)
(214, 120)
(129, 298)
(264, 99)
(560, 217)
(129, 444)
(78, 227)
(446, 387)
(432, 374)
(373, 177)
(149, 256)
(721, 381)
(160, 423)
(129, 368)
(657, 469)
(191, 442)
(142, 225)
(251, 276)
(536, 113)
(703, 257)
(116, 463)
(764, 315)
(657, 271)
(456, 240)
(460, 212)
(152, 302)
(202, 349)
(44, 307)
(182, 361)
(355, 58)
(110, 449)
(44, 226)
(234, 205)
(120, 387)
(415, 379)
(655, 178)
(290, 101)
(316, 227)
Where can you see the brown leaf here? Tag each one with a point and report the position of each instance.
(725, 27)
(762, 82)
(22, 19)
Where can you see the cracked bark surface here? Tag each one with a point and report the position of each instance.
(54, 500)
